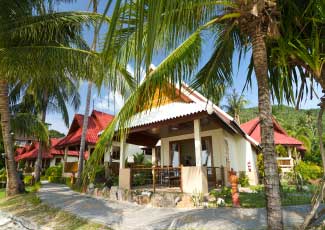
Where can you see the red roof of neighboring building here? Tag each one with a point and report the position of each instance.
(97, 121)
(31, 151)
(281, 137)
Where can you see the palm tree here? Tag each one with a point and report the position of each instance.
(235, 104)
(54, 95)
(85, 118)
(25, 52)
(140, 28)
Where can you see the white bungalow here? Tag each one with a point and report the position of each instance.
(194, 145)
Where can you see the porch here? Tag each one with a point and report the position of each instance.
(171, 179)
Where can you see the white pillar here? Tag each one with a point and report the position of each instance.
(122, 153)
(197, 142)
(153, 156)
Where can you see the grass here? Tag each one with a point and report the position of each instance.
(30, 207)
(289, 197)
(2, 193)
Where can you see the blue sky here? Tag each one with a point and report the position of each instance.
(104, 101)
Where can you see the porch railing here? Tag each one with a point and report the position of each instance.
(216, 176)
(156, 177)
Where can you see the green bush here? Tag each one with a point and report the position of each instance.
(56, 179)
(224, 193)
(243, 179)
(100, 174)
(28, 180)
(54, 171)
(3, 175)
(309, 170)
(21, 164)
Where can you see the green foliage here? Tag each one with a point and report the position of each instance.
(54, 171)
(28, 180)
(309, 170)
(281, 151)
(224, 193)
(260, 166)
(100, 174)
(3, 174)
(301, 124)
(21, 164)
(55, 134)
(243, 179)
(139, 158)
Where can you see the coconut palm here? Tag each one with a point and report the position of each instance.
(140, 28)
(26, 51)
(235, 104)
(86, 114)
(54, 95)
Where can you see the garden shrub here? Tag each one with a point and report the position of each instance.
(28, 180)
(3, 175)
(100, 174)
(54, 171)
(224, 193)
(56, 179)
(309, 170)
(243, 179)
(21, 164)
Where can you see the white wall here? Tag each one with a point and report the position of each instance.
(130, 150)
(240, 150)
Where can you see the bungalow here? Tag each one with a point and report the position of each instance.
(292, 145)
(97, 122)
(194, 144)
(50, 156)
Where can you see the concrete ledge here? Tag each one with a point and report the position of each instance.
(194, 179)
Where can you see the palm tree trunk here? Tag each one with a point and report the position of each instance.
(85, 121)
(38, 164)
(12, 177)
(83, 136)
(272, 189)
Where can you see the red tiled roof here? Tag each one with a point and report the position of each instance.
(97, 121)
(31, 151)
(253, 129)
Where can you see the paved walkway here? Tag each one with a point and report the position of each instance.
(124, 215)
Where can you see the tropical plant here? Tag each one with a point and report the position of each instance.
(26, 51)
(87, 108)
(140, 28)
(235, 103)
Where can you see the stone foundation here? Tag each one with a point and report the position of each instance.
(159, 199)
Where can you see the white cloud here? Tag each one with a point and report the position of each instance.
(109, 102)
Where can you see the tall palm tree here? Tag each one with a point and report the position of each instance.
(235, 104)
(54, 95)
(25, 52)
(86, 114)
(140, 28)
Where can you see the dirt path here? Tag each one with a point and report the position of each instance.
(124, 215)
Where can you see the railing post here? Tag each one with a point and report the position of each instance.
(154, 178)
(180, 178)
(223, 182)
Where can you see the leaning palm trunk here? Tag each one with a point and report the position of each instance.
(85, 121)
(272, 189)
(83, 136)
(12, 178)
(38, 164)
(319, 195)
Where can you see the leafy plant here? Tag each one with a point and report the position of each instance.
(309, 170)
(54, 171)
(224, 193)
(28, 180)
(243, 179)
(3, 174)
